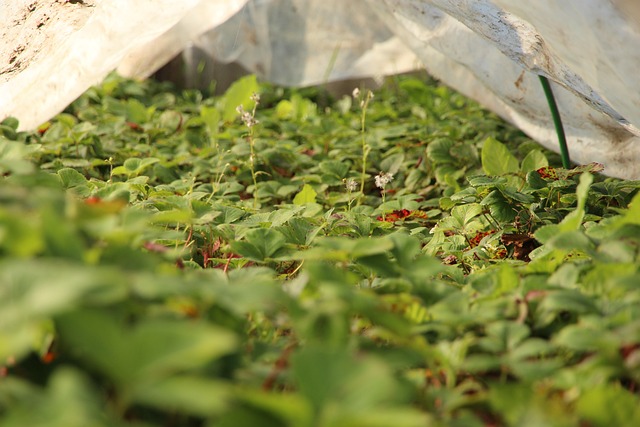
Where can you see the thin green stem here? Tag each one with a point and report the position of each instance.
(557, 121)
(215, 184)
(252, 158)
(365, 148)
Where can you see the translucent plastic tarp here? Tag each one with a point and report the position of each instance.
(53, 50)
(491, 50)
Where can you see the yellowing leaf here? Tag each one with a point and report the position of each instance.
(306, 195)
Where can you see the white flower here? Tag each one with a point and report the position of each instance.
(382, 179)
(356, 93)
(351, 184)
(255, 97)
(365, 99)
(246, 117)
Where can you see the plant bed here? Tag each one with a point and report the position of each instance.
(404, 259)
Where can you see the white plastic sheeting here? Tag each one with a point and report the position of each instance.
(53, 50)
(491, 50)
(308, 42)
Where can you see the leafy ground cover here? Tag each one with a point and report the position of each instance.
(403, 259)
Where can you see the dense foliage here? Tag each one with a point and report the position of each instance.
(408, 259)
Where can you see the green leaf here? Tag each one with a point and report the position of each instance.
(489, 181)
(297, 108)
(69, 400)
(392, 163)
(71, 178)
(405, 249)
(137, 112)
(62, 238)
(507, 279)
(306, 195)
(569, 300)
(380, 264)
(282, 216)
(20, 236)
(585, 338)
(259, 408)
(631, 215)
(211, 118)
(535, 181)
(173, 216)
(248, 290)
(461, 217)
(343, 249)
(11, 122)
(573, 240)
(497, 159)
(503, 335)
(370, 246)
(284, 109)
(512, 194)
(12, 157)
(546, 233)
(190, 394)
(346, 391)
(34, 290)
(609, 405)
(170, 121)
(239, 93)
(299, 231)
(534, 160)
(333, 171)
(499, 206)
(260, 245)
(134, 166)
(320, 372)
(573, 220)
(152, 349)
(439, 151)
(228, 214)
(520, 405)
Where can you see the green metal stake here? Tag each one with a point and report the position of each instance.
(557, 121)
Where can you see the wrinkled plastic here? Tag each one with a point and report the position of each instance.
(491, 50)
(54, 50)
(309, 42)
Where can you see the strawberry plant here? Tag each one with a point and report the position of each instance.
(276, 257)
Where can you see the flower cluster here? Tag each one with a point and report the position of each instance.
(382, 179)
(364, 100)
(351, 184)
(246, 117)
(249, 118)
